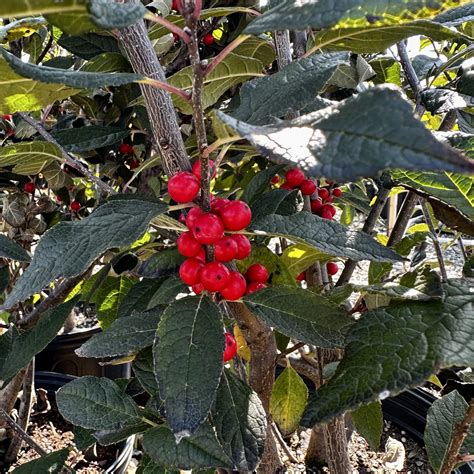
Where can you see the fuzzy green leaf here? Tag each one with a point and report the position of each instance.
(368, 421)
(10, 249)
(89, 138)
(51, 463)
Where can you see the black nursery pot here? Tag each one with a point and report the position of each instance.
(52, 382)
(59, 356)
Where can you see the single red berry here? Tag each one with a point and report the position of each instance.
(29, 187)
(208, 39)
(217, 204)
(201, 256)
(316, 205)
(308, 187)
(287, 186)
(175, 37)
(230, 347)
(294, 177)
(75, 206)
(327, 211)
(183, 187)
(225, 249)
(188, 245)
(236, 215)
(197, 288)
(255, 286)
(208, 229)
(332, 268)
(235, 288)
(323, 193)
(301, 277)
(196, 169)
(182, 218)
(133, 164)
(275, 179)
(126, 149)
(257, 272)
(189, 271)
(328, 200)
(191, 217)
(214, 276)
(337, 192)
(329, 183)
(8, 117)
(243, 246)
(330, 208)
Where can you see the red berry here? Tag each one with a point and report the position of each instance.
(208, 229)
(316, 205)
(235, 288)
(230, 347)
(8, 117)
(294, 177)
(174, 6)
(126, 149)
(197, 169)
(201, 256)
(330, 208)
(217, 204)
(332, 268)
(188, 245)
(197, 288)
(287, 186)
(133, 164)
(257, 272)
(255, 286)
(29, 187)
(308, 187)
(337, 192)
(328, 200)
(225, 249)
(236, 215)
(189, 271)
(214, 276)
(191, 217)
(275, 179)
(183, 187)
(243, 246)
(75, 206)
(208, 39)
(301, 277)
(323, 193)
(182, 218)
(175, 37)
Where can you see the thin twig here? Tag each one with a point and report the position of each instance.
(168, 25)
(282, 443)
(47, 47)
(224, 53)
(411, 77)
(167, 87)
(67, 157)
(291, 349)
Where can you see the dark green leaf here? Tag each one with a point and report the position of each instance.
(18, 8)
(108, 437)
(259, 183)
(108, 14)
(51, 463)
(190, 331)
(292, 312)
(161, 264)
(394, 348)
(272, 202)
(90, 45)
(368, 421)
(168, 292)
(299, 257)
(83, 438)
(333, 144)
(240, 422)
(144, 371)
(89, 138)
(456, 16)
(147, 466)
(10, 249)
(138, 298)
(69, 248)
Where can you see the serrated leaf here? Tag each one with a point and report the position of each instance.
(291, 89)
(327, 236)
(331, 143)
(89, 138)
(68, 248)
(144, 371)
(288, 400)
(17, 349)
(240, 422)
(442, 418)
(189, 332)
(10, 249)
(368, 421)
(51, 463)
(201, 450)
(259, 183)
(98, 404)
(76, 79)
(299, 257)
(138, 297)
(291, 310)
(391, 349)
(125, 336)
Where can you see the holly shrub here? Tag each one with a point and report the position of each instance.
(218, 182)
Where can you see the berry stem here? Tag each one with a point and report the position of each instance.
(225, 52)
(168, 25)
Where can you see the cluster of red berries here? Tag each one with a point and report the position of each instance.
(126, 149)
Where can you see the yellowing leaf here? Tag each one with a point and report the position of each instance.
(243, 350)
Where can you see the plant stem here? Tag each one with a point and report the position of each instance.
(166, 87)
(104, 187)
(168, 25)
(411, 77)
(283, 48)
(224, 53)
(402, 220)
(434, 238)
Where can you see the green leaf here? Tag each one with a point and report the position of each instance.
(90, 45)
(442, 418)
(18, 8)
(147, 466)
(68, 248)
(288, 400)
(189, 332)
(83, 438)
(456, 16)
(89, 138)
(125, 336)
(17, 349)
(108, 437)
(240, 421)
(391, 349)
(144, 371)
(77, 79)
(168, 292)
(201, 450)
(387, 70)
(291, 311)
(138, 297)
(331, 143)
(299, 257)
(259, 183)
(275, 201)
(327, 236)
(10, 249)
(107, 62)
(368, 421)
(292, 89)
(51, 463)
(321, 14)
(161, 264)
(98, 404)
(108, 14)
(72, 23)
